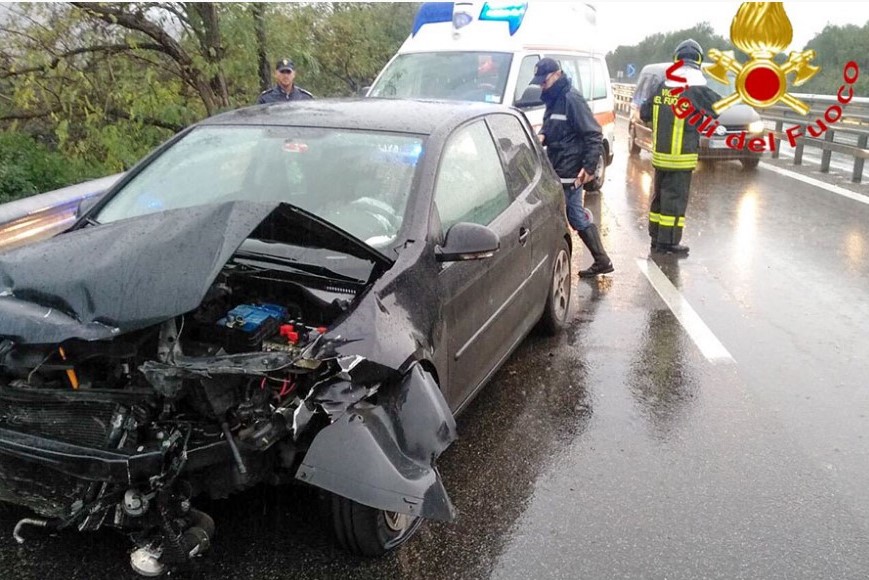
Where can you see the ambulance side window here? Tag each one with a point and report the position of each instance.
(599, 79)
(526, 72)
(578, 68)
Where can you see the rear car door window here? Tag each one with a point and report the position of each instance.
(520, 160)
(470, 186)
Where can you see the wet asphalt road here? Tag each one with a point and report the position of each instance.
(617, 450)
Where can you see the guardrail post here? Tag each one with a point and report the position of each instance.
(779, 125)
(798, 150)
(857, 177)
(827, 153)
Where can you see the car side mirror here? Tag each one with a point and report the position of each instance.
(530, 98)
(467, 241)
(363, 92)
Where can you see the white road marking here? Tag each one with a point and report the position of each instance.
(818, 183)
(708, 344)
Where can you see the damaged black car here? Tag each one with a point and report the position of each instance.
(303, 293)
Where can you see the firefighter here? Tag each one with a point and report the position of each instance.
(285, 88)
(675, 144)
(573, 141)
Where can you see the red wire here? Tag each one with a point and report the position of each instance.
(284, 390)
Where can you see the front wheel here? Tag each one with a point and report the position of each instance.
(633, 147)
(596, 184)
(558, 299)
(366, 531)
(750, 162)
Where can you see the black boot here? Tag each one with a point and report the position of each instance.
(602, 263)
(671, 248)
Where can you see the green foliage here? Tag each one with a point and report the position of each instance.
(103, 83)
(659, 48)
(835, 46)
(26, 168)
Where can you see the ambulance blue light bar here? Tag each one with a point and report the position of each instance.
(511, 12)
(431, 12)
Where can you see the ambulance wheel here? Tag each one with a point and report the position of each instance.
(634, 149)
(596, 184)
(750, 163)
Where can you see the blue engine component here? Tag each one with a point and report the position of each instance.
(245, 327)
(250, 318)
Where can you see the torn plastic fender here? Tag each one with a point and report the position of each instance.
(383, 455)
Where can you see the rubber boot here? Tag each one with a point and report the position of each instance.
(602, 263)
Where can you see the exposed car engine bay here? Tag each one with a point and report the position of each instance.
(199, 351)
(238, 372)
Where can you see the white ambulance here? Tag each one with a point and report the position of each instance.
(486, 51)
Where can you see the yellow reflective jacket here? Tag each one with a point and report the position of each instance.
(675, 141)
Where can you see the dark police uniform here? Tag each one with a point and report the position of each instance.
(573, 141)
(277, 95)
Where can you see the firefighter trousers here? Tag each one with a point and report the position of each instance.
(669, 203)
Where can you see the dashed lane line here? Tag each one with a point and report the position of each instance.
(708, 344)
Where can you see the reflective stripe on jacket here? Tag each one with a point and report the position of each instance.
(675, 141)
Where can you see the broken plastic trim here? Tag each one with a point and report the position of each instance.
(383, 455)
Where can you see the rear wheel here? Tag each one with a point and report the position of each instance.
(366, 531)
(558, 299)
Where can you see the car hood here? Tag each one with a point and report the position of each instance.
(98, 282)
(738, 115)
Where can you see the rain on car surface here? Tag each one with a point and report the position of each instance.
(288, 293)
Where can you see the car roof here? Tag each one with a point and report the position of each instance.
(657, 69)
(390, 115)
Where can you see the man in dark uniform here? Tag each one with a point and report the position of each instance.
(675, 144)
(573, 141)
(285, 88)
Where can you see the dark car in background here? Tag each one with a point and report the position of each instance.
(733, 120)
(293, 293)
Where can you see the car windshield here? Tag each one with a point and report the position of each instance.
(460, 76)
(718, 86)
(359, 181)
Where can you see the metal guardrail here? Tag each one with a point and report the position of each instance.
(853, 126)
(44, 215)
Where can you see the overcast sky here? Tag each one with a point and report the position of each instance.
(630, 22)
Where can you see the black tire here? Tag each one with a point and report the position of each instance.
(366, 531)
(750, 163)
(595, 185)
(554, 317)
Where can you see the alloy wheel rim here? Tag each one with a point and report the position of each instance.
(395, 521)
(561, 285)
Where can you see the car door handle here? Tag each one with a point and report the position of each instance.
(523, 235)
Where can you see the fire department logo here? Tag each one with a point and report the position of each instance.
(762, 30)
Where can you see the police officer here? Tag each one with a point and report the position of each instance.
(285, 88)
(675, 144)
(573, 141)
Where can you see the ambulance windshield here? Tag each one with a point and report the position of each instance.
(459, 76)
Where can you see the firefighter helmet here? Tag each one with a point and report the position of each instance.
(690, 52)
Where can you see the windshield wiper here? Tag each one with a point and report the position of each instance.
(302, 267)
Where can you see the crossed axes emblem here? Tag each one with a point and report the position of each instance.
(761, 82)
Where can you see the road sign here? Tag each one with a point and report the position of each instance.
(630, 71)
